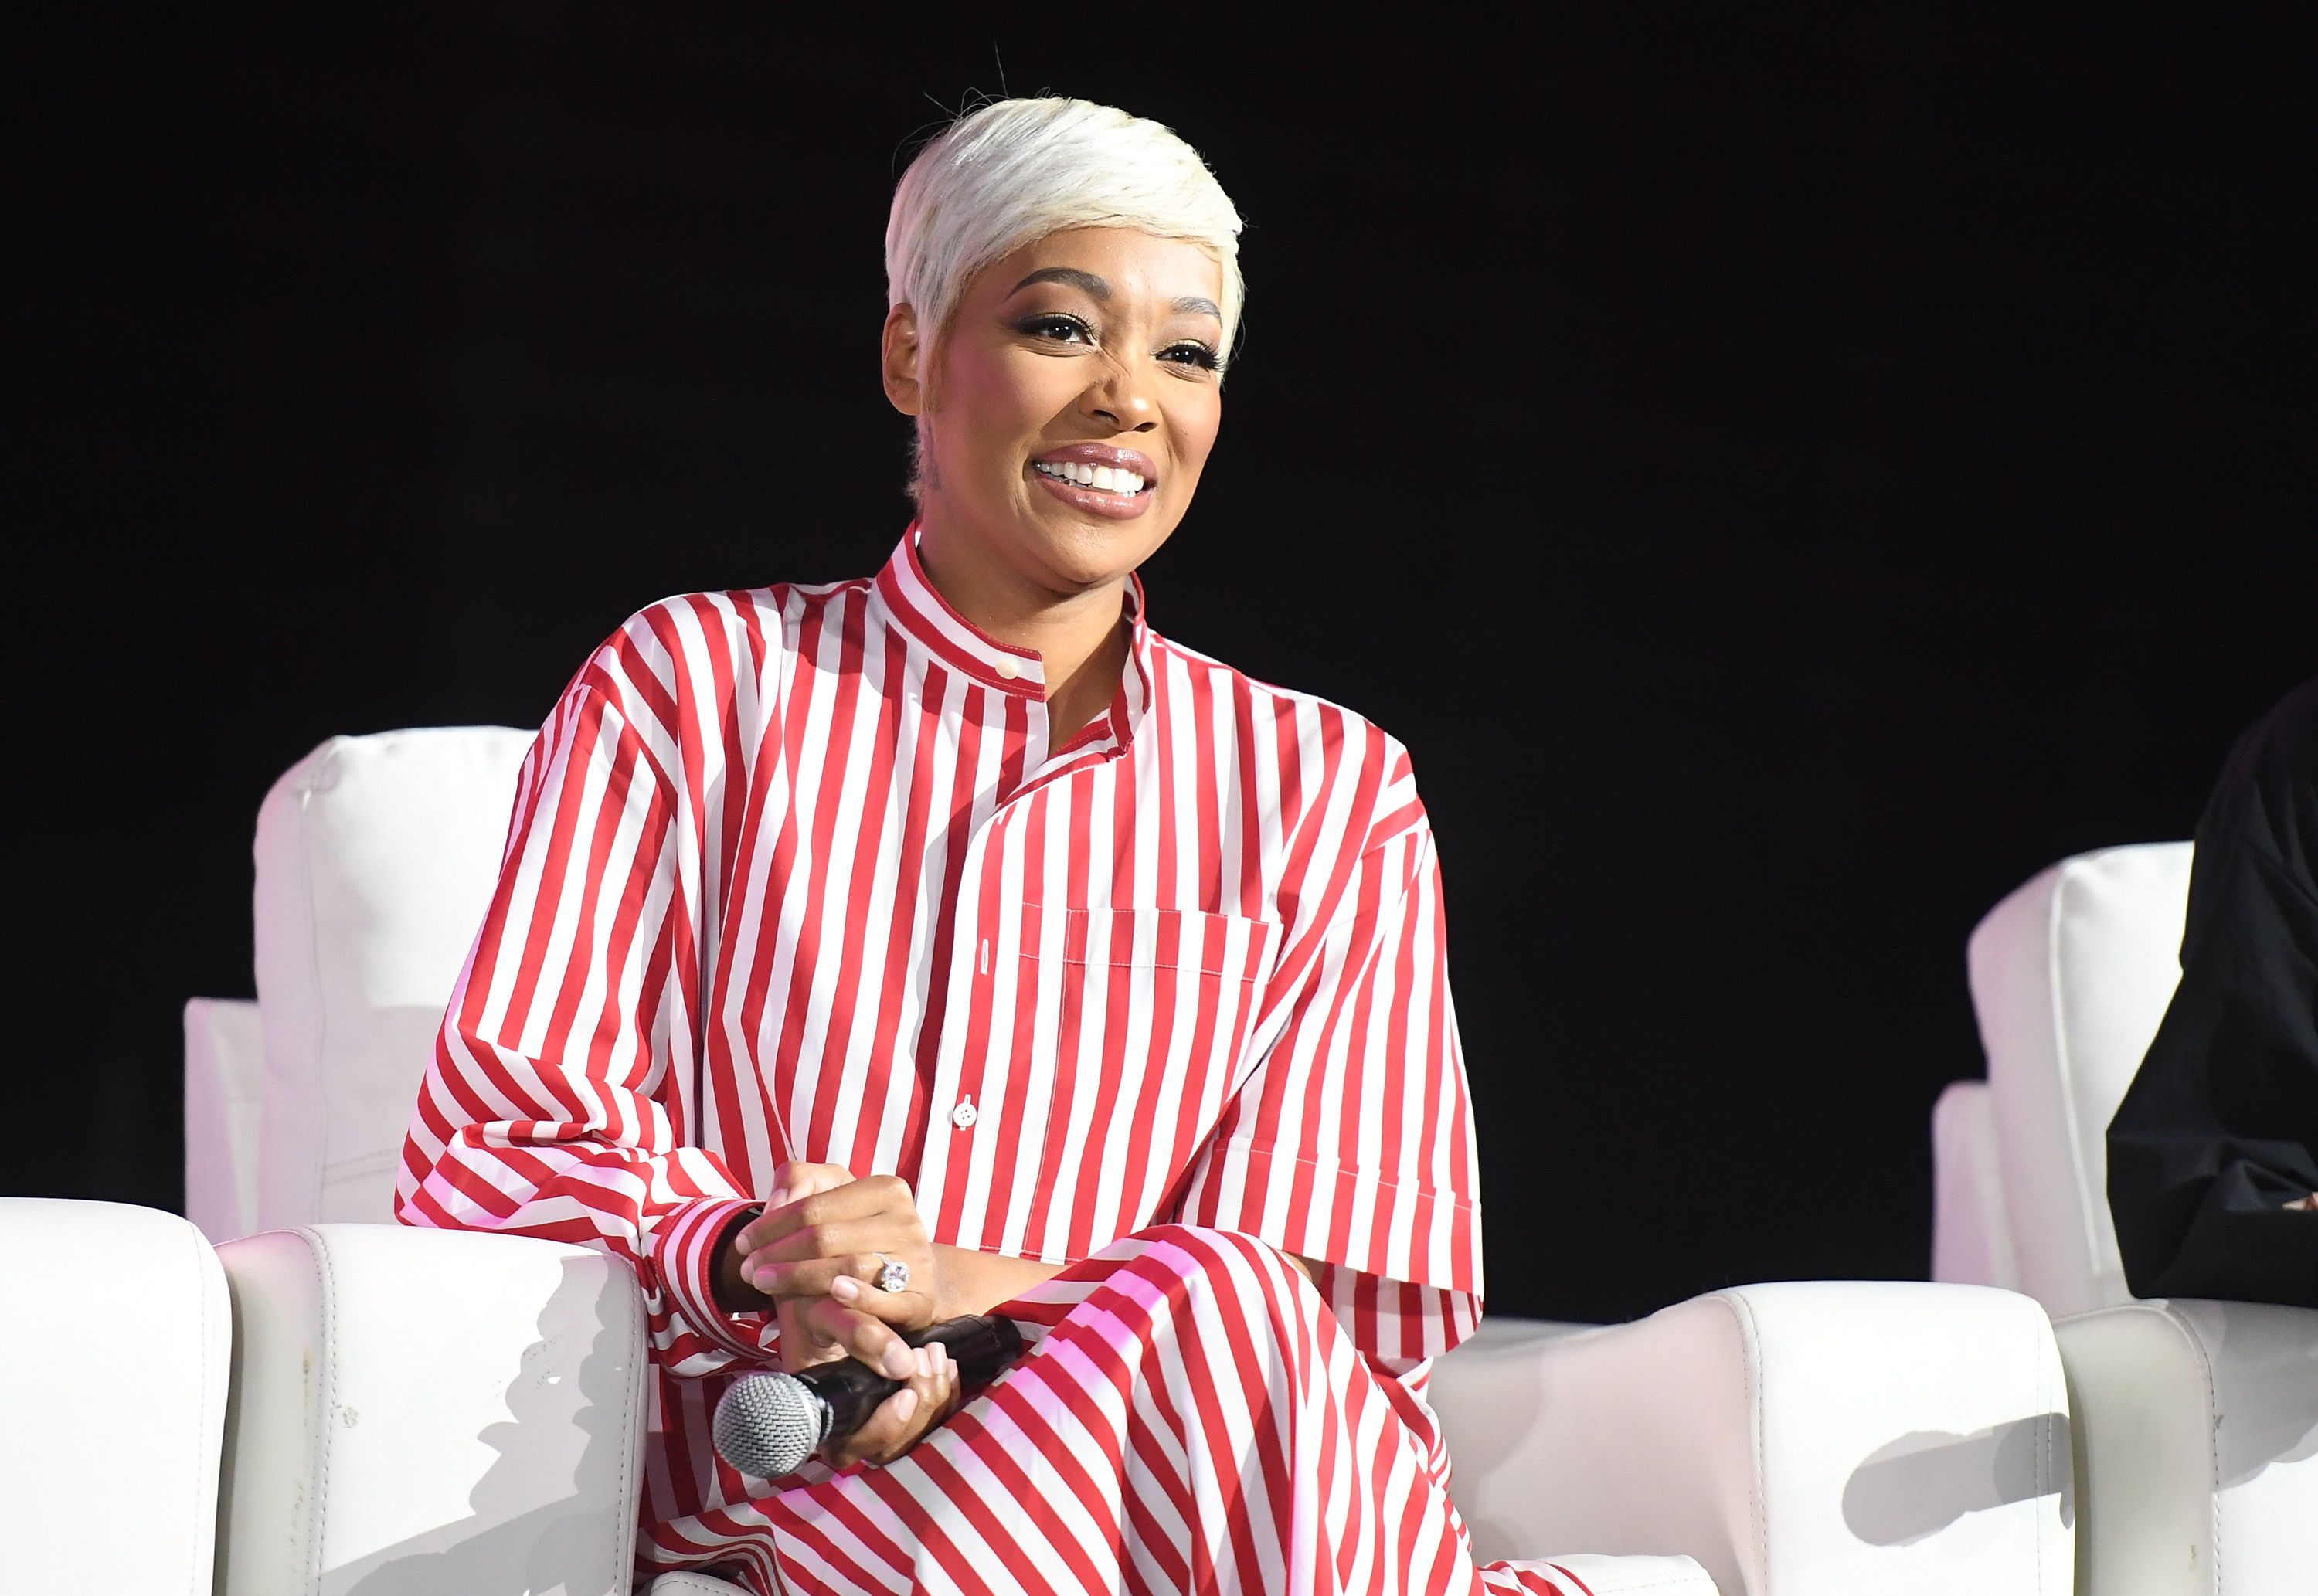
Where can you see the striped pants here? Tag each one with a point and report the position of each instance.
(1191, 1418)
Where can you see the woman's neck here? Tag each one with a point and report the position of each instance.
(1080, 638)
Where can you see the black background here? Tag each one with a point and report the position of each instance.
(1787, 479)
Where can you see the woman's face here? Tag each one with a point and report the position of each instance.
(1089, 352)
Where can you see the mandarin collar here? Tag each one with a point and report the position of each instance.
(929, 622)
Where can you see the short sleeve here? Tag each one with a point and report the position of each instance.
(1350, 1143)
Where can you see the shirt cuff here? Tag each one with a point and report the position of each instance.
(684, 1246)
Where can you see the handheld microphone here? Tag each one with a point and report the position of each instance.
(767, 1425)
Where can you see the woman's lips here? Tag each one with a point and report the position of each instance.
(1095, 501)
(1103, 461)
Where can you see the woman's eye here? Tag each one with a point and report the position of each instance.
(1190, 354)
(1062, 329)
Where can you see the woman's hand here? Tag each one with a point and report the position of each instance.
(826, 1236)
(902, 1419)
(812, 1257)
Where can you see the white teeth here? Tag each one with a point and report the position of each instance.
(1103, 479)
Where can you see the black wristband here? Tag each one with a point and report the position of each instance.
(731, 1228)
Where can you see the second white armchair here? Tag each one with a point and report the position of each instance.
(2197, 1428)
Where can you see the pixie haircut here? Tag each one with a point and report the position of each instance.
(1016, 170)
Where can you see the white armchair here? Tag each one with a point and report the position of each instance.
(1798, 1440)
(2196, 1423)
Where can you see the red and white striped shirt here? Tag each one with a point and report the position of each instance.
(794, 873)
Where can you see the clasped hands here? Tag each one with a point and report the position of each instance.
(812, 1257)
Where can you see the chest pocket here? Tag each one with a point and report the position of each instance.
(1151, 1011)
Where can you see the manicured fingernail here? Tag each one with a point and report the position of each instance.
(925, 1363)
(901, 1361)
(780, 1195)
(906, 1404)
(845, 1288)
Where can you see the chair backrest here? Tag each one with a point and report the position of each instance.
(376, 857)
(2071, 975)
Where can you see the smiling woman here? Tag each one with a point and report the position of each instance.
(950, 942)
(1063, 416)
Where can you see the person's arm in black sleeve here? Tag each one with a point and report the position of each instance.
(2216, 1146)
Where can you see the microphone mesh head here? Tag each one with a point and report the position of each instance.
(768, 1425)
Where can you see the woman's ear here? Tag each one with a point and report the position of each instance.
(904, 388)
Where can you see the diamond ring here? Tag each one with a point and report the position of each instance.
(894, 1276)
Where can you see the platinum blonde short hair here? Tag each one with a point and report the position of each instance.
(1016, 170)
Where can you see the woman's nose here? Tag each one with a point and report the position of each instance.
(1121, 400)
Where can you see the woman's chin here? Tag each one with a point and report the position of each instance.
(1087, 551)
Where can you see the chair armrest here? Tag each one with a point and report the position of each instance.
(2196, 1430)
(1807, 1438)
(114, 1334)
(419, 1411)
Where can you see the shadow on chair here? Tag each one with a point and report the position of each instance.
(505, 1544)
(1919, 1484)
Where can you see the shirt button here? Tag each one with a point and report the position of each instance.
(962, 1115)
(1008, 668)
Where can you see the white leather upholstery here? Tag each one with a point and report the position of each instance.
(116, 1332)
(2196, 1437)
(225, 1085)
(376, 859)
(1795, 1440)
(2197, 1447)
(2071, 975)
(419, 1412)
(1972, 1226)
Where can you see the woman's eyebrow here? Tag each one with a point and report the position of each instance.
(1093, 286)
(1098, 289)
